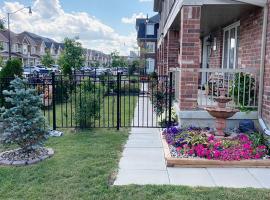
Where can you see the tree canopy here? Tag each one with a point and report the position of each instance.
(47, 60)
(117, 60)
(12, 68)
(72, 57)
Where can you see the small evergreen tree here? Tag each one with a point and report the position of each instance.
(12, 68)
(47, 60)
(23, 123)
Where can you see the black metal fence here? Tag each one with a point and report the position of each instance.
(105, 101)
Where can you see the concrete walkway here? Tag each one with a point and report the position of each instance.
(143, 163)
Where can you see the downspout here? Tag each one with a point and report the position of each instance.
(262, 70)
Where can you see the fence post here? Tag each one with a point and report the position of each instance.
(118, 100)
(53, 101)
(170, 98)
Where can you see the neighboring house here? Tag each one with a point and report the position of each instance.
(208, 42)
(29, 47)
(93, 57)
(147, 41)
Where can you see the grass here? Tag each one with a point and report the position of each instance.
(82, 168)
(85, 164)
(107, 114)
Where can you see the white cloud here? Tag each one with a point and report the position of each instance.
(50, 20)
(132, 19)
(145, 0)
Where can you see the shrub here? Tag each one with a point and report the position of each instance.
(87, 106)
(63, 89)
(245, 87)
(24, 123)
(163, 119)
(12, 68)
(132, 89)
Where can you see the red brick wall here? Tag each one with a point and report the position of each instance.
(215, 59)
(250, 39)
(250, 42)
(266, 95)
(173, 48)
(190, 55)
(165, 56)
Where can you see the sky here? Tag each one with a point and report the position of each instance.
(104, 25)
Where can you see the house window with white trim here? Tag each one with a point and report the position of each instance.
(231, 46)
(150, 29)
(151, 47)
(150, 65)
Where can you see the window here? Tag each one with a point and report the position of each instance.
(33, 50)
(150, 65)
(150, 29)
(231, 46)
(151, 47)
(25, 50)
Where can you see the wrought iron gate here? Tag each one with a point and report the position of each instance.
(90, 100)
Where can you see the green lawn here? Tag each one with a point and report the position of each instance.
(82, 169)
(106, 115)
(84, 166)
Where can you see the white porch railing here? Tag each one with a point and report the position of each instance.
(242, 85)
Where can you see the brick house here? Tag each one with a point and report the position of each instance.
(147, 31)
(210, 44)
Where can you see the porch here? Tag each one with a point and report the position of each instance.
(219, 47)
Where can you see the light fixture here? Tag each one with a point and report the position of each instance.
(147, 19)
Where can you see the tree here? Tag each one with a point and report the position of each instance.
(72, 57)
(133, 67)
(12, 68)
(47, 60)
(117, 60)
(24, 124)
(2, 26)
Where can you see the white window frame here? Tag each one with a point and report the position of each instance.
(150, 64)
(152, 45)
(229, 28)
(150, 31)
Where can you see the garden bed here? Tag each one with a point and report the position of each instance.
(198, 162)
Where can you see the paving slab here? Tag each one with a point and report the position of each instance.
(233, 178)
(262, 176)
(143, 163)
(190, 177)
(143, 158)
(142, 177)
(145, 130)
(144, 136)
(142, 143)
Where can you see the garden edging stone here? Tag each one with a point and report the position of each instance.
(5, 162)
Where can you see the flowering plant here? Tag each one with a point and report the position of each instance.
(193, 142)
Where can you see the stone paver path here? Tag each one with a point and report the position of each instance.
(143, 163)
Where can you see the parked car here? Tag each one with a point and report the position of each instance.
(28, 70)
(86, 69)
(55, 69)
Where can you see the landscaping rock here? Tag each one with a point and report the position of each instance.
(19, 158)
(55, 133)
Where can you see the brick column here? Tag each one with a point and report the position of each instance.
(190, 53)
(165, 56)
(158, 60)
(172, 50)
(266, 86)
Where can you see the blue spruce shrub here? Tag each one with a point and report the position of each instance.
(24, 124)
